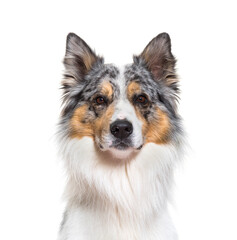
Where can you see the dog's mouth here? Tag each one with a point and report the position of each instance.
(124, 145)
(121, 146)
(121, 149)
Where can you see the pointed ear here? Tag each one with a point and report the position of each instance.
(79, 58)
(159, 59)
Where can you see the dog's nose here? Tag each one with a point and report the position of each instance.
(121, 129)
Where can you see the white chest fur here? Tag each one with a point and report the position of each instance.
(108, 200)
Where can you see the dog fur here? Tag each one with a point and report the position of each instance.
(118, 187)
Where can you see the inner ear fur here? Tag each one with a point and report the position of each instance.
(79, 58)
(159, 59)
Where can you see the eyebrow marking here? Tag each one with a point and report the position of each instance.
(107, 89)
(133, 88)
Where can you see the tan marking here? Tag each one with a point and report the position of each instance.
(83, 125)
(107, 89)
(133, 88)
(79, 127)
(69, 81)
(156, 131)
(101, 125)
(88, 60)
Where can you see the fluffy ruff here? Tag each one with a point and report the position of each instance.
(118, 201)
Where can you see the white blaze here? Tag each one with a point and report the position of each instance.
(125, 110)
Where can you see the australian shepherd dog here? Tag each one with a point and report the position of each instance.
(120, 137)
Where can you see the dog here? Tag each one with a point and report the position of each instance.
(120, 136)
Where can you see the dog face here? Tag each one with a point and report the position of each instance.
(121, 109)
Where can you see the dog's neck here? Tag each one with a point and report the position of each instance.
(125, 186)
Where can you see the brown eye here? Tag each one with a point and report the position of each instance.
(141, 99)
(100, 100)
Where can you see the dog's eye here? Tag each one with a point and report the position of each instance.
(142, 99)
(100, 100)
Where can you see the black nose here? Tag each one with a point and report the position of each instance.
(121, 129)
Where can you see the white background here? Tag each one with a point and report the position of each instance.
(32, 46)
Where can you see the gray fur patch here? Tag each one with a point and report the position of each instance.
(158, 92)
(83, 91)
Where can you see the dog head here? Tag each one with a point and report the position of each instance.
(120, 109)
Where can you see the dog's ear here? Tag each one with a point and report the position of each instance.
(159, 59)
(79, 59)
